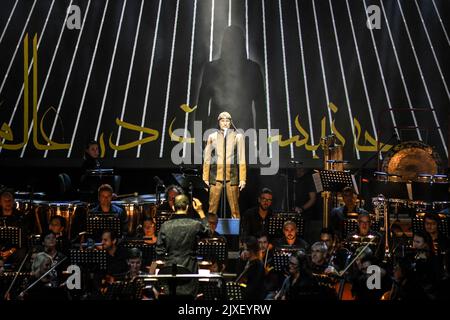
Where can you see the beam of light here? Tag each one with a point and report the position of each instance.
(440, 21)
(266, 73)
(8, 21)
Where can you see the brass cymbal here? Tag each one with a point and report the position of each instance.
(411, 159)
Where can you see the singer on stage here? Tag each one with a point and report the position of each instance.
(232, 168)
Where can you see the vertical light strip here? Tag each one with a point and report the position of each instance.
(8, 21)
(286, 84)
(229, 12)
(344, 80)
(324, 76)
(421, 76)
(440, 21)
(366, 91)
(69, 74)
(29, 68)
(150, 72)
(266, 74)
(130, 71)
(166, 107)
(111, 66)
(94, 54)
(246, 28)
(188, 94)
(211, 35)
(383, 79)
(61, 32)
(408, 97)
(17, 47)
(432, 50)
(305, 79)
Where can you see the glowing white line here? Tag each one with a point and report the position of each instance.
(266, 74)
(8, 21)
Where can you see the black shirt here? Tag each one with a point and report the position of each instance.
(254, 275)
(116, 265)
(252, 224)
(298, 243)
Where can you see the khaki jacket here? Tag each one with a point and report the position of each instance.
(235, 158)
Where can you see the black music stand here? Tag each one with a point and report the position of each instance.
(212, 250)
(235, 291)
(162, 217)
(190, 182)
(97, 223)
(281, 260)
(11, 236)
(334, 181)
(211, 289)
(429, 192)
(277, 220)
(148, 250)
(90, 259)
(125, 290)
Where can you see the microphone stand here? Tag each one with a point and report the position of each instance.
(224, 185)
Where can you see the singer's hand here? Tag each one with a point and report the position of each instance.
(241, 185)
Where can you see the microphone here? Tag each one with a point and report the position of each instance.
(225, 132)
(158, 181)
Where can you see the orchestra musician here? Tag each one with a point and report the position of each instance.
(340, 214)
(253, 273)
(290, 237)
(256, 220)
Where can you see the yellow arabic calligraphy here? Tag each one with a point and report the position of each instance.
(6, 132)
(372, 147)
(187, 109)
(154, 134)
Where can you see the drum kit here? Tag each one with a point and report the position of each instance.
(137, 207)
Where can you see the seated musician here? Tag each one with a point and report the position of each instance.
(319, 257)
(256, 220)
(91, 156)
(57, 226)
(273, 279)
(213, 220)
(56, 256)
(116, 257)
(441, 242)
(195, 210)
(360, 276)
(340, 214)
(134, 263)
(427, 269)
(253, 273)
(43, 290)
(291, 237)
(148, 231)
(327, 237)
(105, 205)
(364, 233)
(299, 284)
(405, 286)
(11, 217)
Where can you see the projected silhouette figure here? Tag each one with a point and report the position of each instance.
(232, 83)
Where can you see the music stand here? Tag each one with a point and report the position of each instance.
(91, 259)
(162, 217)
(281, 259)
(11, 236)
(97, 223)
(190, 182)
(125, 290)
(148, 250)
(351, 225)
(235, 291)
(210, 249)
(277, 220)
(334, 181)
(211, 289)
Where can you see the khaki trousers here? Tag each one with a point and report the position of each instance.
(215, 192)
